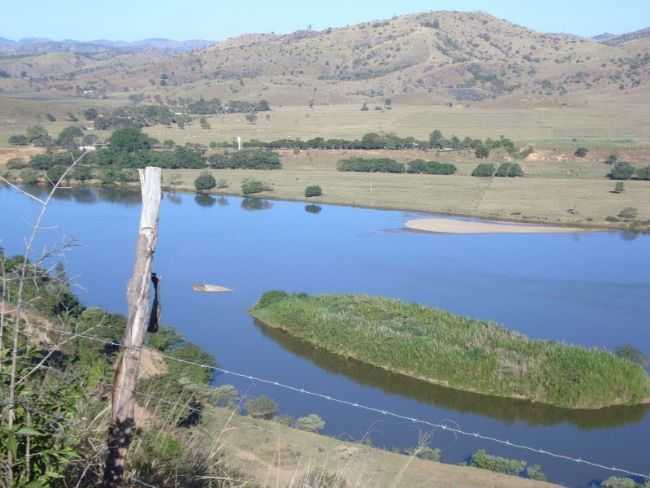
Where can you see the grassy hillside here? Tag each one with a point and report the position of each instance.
(454, 351)
(432, 56)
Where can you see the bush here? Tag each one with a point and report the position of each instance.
(631, 353)
(17, 163)
(246, 159)
(251, 185)
(28, 177)
(535, 472)
(271, 297)
(55, 173)
(482, 152)
(484, 170)
(619, 187)
(628, 213)
(611, 159)
(310, 423)
(18, 140)
(581, 152)
(481, 459)
(509, 170)
(205, 182)
(643, 173)
(621, 171)
(313, 191)
(615, 482)
(378, 165)
(82, 173)
(426, 453)
(431, 167)
(261, 407)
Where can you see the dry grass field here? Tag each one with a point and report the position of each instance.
(548, 195)
(276, 455)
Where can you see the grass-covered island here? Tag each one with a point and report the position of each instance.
(446, 349)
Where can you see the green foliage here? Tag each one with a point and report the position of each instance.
(581, 152)
(616, 482)
(310, 423)
(431, 167)
(18, 140)
(130, 140)
(246, 159)
(271, 297)
(313, 191)
(82, 173)
(28, 177)
(376, 165)
(90, 114)
(535, 472)
(38, 136)
(482, 151)
(261, 407)
(619, 187)
(205, 182)
(426, 453)
(70, 137)
(484, 170)
(481, 459)
(509, 170)
(55, 173)
(621, 171)
(251, 185)
(631, 353)
(643, 173)
(464, 353)
(17, 163)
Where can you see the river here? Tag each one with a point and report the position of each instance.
(591, 289)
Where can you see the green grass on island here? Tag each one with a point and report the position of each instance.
(462, 353)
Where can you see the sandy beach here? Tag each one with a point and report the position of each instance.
(451, 226)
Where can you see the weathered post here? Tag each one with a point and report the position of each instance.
(126, 374)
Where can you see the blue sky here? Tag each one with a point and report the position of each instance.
(216, 19)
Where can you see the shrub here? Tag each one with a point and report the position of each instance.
(246, 159)
(509, 170)
(261, 407)
(631, 353)
(55, 173)
(535, 472)
(482, 152)
(251, 185)
(628, 213)
(204, 182)
(17, 163)
(378, 165)
(481, 459)
(18, 140)
(82, 173)
(313, 191)
(484, 170)
(615, 482)
(271, 297)
(310, 423)
(28, 177)
(284, 420)
(621, 171)
(612, 159)
(643, 173)
(431, 167)
(619, 187)
(426, 453)
(581, 152)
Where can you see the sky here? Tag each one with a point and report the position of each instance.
(215, 19)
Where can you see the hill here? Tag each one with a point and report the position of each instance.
(31, 46)
(432, 57)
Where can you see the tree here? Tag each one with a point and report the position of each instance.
(310, 423)
(90, 114)
(482, 151)
(251, 185)
(621, 171)
(313, 191)
(436, 139)
(35, 132)
(619, 187)
(130, 140)
(18, 140)
(204, 123)
(261, 407)
(581, 152)
(55, 173)
(485, 170)
(251, 118)
(205, 182)
(364, 107)
(69, 137)
(17, 163)
(82, 173)
(28, 177)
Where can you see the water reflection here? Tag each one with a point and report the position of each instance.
(314, 209)
(174, 198)
(255, 204)
(223, 201)
(504, 409)
(205, 200)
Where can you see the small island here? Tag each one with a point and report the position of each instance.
(461, 353)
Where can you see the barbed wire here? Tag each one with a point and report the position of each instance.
(384, 412)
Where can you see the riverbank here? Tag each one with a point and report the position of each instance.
(453, 226)
(453, 351)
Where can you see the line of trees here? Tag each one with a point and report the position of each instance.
(626, 171)
(387, 165)
(488, 170)
(246, 159)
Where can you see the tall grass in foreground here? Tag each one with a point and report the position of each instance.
(455, 351)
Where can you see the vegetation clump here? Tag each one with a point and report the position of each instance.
(455, 351)
(205, 182)
(376, 165)
(483, 460)
(313, 191)
(484, 170)
(251, 185)
(509, 170)
(246, 159)
(431, 167)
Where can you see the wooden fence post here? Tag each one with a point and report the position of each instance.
(123, 424)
